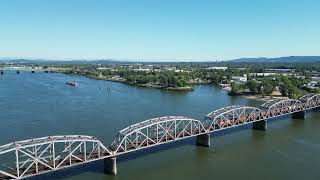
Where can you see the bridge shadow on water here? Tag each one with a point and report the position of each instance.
(98, 166)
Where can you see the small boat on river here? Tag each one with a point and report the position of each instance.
(72, 83)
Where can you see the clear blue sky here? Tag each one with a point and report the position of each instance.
(181, 30)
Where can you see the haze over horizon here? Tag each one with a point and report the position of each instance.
(159, 30)
(244, 59)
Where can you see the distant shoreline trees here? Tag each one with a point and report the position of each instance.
(187, 74)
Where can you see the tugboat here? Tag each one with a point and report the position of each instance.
(72, 83)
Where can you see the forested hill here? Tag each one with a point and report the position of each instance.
(289, 59)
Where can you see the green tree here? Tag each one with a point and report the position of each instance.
(235, 88)
(164, 81)
(267, 87)
(253, 86)
(287, 88)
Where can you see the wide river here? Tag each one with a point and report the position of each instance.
(40, 104)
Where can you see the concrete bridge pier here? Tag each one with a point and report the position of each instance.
(203, 140)
(260, 125)
(299, 115)
(110, 165)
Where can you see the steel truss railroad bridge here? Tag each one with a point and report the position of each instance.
(32, 157)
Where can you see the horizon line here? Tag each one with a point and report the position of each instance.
(143, 60)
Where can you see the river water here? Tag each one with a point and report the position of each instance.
(40, 104)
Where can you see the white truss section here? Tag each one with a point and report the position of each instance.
(156, 131)
(36, 156)
(311, 100)
(281, 107)
(231, 116)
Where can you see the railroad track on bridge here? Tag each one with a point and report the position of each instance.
(31, 157)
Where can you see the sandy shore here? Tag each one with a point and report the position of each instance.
(265, 98)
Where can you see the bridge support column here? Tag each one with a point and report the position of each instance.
(203, 140)
(110, 165)
(299, 115)
(260, 125)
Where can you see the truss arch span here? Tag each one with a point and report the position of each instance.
(274, 108)
(25, 158)
(310, 100)
(231, 116)
(154, 132)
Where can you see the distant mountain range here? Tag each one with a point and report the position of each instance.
(45, 61)
(288, 59)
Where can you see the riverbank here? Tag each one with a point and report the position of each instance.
(259, 97)
(183, 88)
(264, 98)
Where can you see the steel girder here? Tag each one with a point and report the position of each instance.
(231, 116)
(36, 156)
(154, 132)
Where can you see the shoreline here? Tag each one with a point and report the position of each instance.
(190, 87)
(260, 98)
(184, 88)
